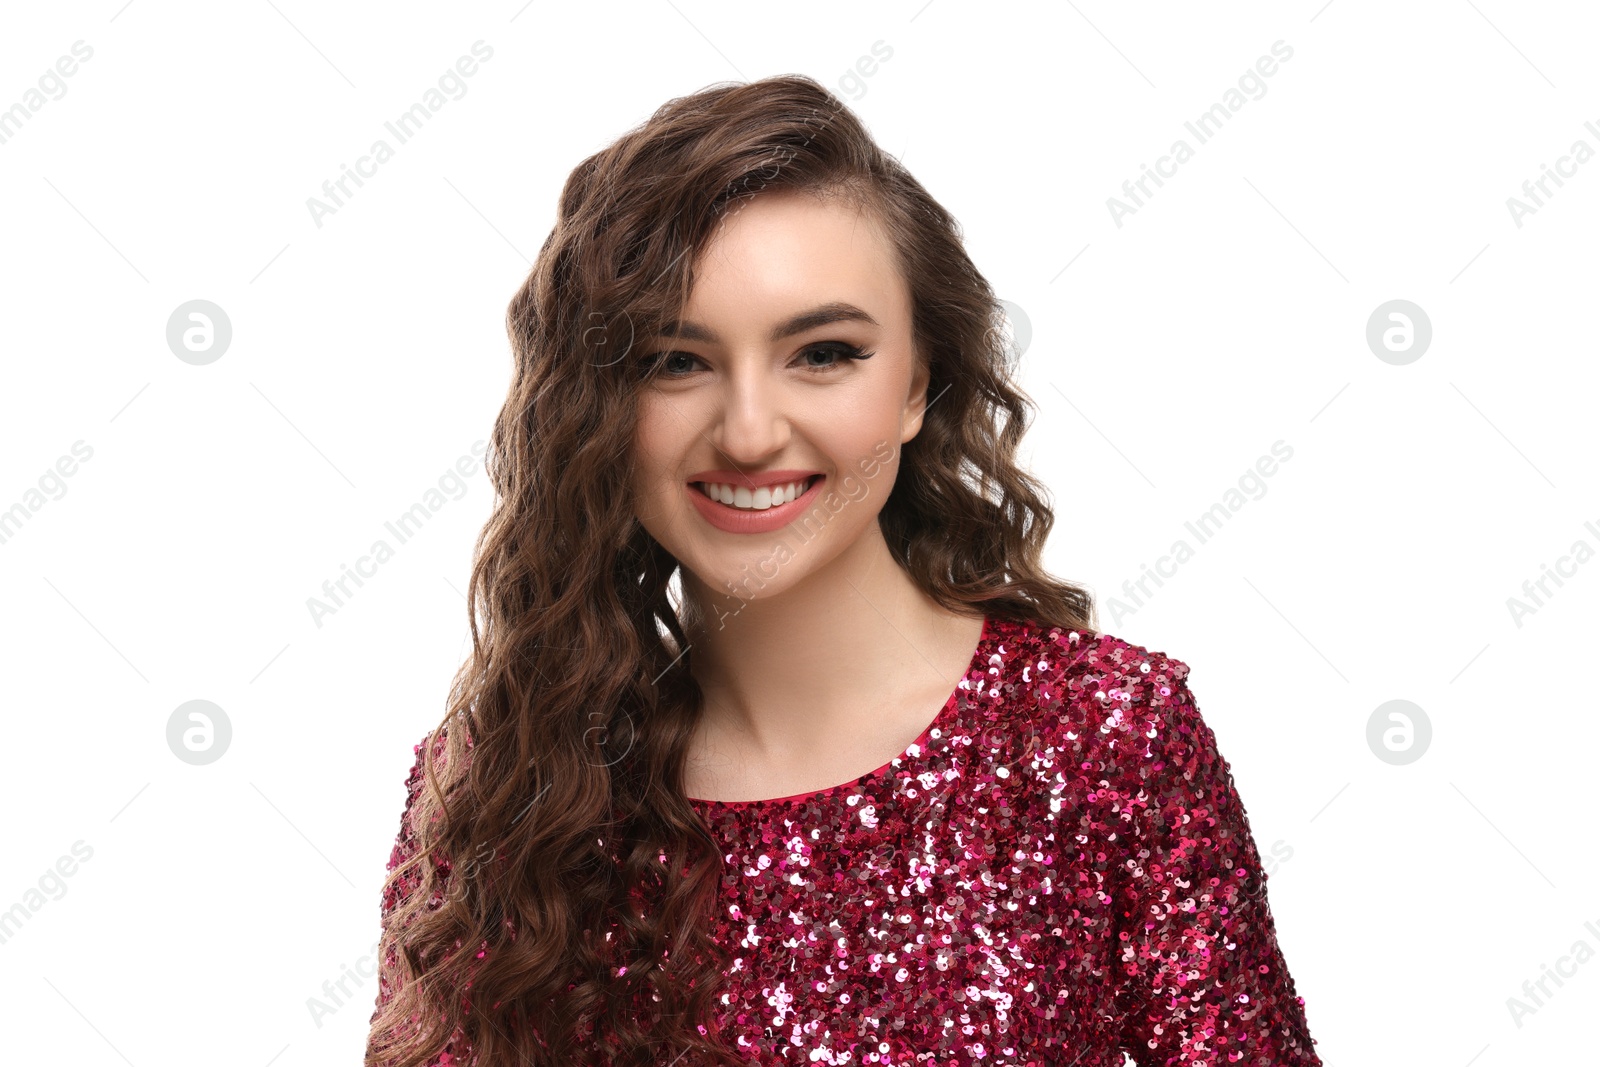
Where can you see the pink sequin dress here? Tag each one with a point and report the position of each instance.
(1058, 871)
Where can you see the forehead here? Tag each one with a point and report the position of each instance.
(783, 249)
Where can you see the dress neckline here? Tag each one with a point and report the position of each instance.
(978, 662)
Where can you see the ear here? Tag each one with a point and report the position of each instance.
(916, 400)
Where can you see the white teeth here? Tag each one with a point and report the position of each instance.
(758, 499)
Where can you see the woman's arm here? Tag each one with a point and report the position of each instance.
(1204, 981)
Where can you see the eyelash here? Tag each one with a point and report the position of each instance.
(842, 350)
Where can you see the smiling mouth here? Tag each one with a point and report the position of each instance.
(743, 498)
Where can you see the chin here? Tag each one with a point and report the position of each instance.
(755, 576)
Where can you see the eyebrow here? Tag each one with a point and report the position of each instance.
(821, 315)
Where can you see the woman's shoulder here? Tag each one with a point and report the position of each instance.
(1081, 688)
(1081, 657)
(431, 751)
(1098, 716)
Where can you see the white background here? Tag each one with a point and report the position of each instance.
(1166, 356)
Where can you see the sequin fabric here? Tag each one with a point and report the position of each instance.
(1057, 872)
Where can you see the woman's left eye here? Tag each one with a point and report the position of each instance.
(838, 349)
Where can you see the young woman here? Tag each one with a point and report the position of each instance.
(777, 743)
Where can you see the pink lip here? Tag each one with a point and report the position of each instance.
(730, 520)
(752, 481)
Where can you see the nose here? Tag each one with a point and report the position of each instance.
(752, 420)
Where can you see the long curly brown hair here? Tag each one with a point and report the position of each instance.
(550, 798)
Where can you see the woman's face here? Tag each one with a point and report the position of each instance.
(757, 388)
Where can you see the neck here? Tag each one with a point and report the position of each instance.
(782, 674)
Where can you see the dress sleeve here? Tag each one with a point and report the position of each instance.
(456, 1052)
(1203, 980)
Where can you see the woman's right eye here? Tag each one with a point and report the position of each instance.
(669, 363)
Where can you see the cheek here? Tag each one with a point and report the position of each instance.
(864, 435)
(657, 455)
(652, 445)
(877, 407)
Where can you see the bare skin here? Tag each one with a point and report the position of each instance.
(835, 661)
(876, 724)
